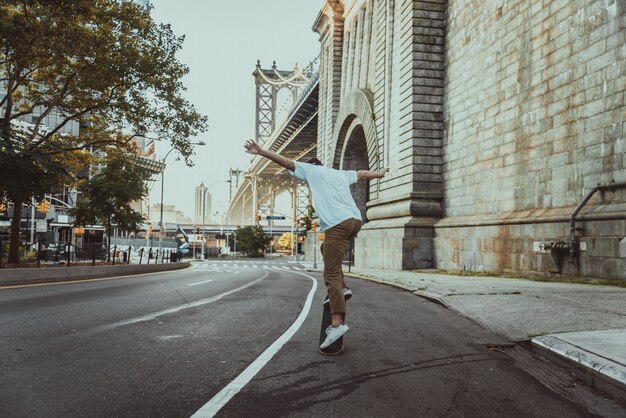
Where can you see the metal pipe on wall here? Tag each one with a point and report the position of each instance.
(573, 247)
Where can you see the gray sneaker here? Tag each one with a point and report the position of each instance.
(333, 334)
(347, 294)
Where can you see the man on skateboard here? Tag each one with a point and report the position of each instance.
(339, 218)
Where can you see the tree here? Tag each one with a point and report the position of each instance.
(107, 196)
(306, 221)
(285, 240)
(105, 65)
(252, 240)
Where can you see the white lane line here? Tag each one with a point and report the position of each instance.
(218, 401)
(154, 315)
(194, 284)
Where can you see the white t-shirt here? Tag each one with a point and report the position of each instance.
(330, 188)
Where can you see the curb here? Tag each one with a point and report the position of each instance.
(601, 372)
(25, 277)
(596, 371)
(432, 297)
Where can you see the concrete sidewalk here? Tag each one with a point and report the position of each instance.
(579, 323)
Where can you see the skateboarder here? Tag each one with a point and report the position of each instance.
(339, 217)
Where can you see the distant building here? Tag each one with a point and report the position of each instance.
(171, 216)
(201, 190)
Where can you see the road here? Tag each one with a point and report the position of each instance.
(239, 339)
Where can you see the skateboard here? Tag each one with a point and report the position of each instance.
(336, 347)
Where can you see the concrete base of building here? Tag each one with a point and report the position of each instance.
(519, 243)
(403, 243)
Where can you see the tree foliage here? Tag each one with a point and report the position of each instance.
(252, 240)
(285, 240)
(306, 221)
(104, 64)
(107, 196)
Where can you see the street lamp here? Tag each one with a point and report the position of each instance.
(161, 226)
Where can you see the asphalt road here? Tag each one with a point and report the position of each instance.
(240, 340)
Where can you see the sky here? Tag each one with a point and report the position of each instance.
(223, 41)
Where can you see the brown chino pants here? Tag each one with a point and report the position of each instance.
(335, 244)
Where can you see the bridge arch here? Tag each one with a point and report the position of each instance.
(355, 141)
(357, 108)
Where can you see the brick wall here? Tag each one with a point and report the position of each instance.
(534, 119)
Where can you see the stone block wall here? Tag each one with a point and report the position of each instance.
(534, 119)
(496, 118)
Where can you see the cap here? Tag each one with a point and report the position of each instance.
(314, 161)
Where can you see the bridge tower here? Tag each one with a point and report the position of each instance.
(268, 83)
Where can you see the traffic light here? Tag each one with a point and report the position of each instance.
(150, 231)
(43, 206)
(258, 217)
(313, 227)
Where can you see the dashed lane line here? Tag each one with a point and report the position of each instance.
(174, 309)
(195, 284)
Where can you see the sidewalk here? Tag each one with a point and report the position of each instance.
(582, 324)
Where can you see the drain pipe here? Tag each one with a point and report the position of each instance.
(572, 245)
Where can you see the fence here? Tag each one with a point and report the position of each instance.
(68, 254)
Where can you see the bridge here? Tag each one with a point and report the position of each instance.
(498, 122)
(295, 138)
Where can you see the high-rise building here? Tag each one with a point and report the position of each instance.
(201, 190)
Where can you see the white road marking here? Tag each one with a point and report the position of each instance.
(154, 315)
(194, 284)
(218, 401)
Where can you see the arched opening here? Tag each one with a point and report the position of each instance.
(355, 158)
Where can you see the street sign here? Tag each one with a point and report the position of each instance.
(274, 217)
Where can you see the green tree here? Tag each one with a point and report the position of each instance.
(107, 196)
(306, 221)
(285, 240)
(104, 64)
(252, 240)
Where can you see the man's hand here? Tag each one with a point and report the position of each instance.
(368, 175)
(252, 147)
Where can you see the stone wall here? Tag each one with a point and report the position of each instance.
(391, 92)
(534, 116)
(496, 118)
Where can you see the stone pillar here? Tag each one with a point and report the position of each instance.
(408, 111)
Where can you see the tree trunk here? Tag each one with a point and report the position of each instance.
(14, 246)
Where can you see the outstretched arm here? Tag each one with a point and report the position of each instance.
(367, 175)
(254, 148)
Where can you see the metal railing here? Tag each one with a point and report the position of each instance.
(67, 254)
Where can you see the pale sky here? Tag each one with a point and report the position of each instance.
(224, 40)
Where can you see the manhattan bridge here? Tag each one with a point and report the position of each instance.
(295, 137)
